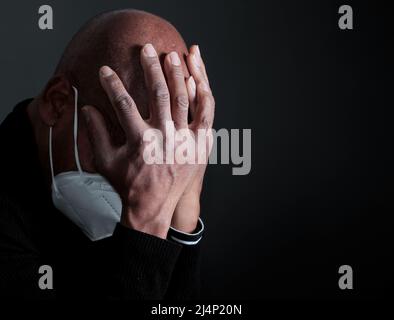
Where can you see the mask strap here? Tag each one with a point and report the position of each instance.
(51, 160)
(75, 142)
(76, 131)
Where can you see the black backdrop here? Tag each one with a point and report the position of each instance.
(318, 101)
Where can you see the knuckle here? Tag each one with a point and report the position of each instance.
(123, 102)
(155, 67)
(160, 92)
(182, 101)
(208, 101)
(205, 122)
(114, 82)
(177, 72)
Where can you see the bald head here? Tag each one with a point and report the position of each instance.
(115, 39)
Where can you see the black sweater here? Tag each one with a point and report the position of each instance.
(130, 264)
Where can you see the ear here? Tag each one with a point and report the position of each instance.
(58, 95)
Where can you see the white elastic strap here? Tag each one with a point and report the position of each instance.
(51, 159)
(75, 141)
(76, 131)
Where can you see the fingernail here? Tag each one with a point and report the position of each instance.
(149, 50)
(195, 60)
(174, 58)
(106, 71)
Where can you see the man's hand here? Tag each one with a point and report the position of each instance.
(149, 192)
(187, 211)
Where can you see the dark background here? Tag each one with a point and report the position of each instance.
(318, 101)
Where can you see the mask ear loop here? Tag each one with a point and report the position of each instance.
(76, 154)
(75, 143)
(51, 161)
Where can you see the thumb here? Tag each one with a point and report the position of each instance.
(98, 136)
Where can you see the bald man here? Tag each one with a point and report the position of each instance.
(82, 213)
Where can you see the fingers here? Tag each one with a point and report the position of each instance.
(178, 91)
(125, 108)
(98, 136)
(192, 92)
(196, 65)
(205, 108)
(205, 111)
(160, 108)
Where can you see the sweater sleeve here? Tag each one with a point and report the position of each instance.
(185, 283)
(143, 264)
(138, 265)
(20, 260)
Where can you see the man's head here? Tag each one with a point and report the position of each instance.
(114, 39)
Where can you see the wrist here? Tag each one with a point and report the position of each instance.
(186, 214)
(155, 226)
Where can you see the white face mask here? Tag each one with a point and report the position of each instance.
(86, 199)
